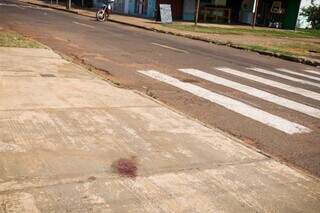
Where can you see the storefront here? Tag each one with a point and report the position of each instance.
(141, 8)
(280, 13)
(148, 8)
(121, 6)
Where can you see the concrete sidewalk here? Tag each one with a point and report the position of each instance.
(70, 142)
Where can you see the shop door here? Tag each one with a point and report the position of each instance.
(141, 7)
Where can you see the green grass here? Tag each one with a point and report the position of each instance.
(12, 39)
(242, 31)
(276, 50)
(289, 49)
(302, 47)
(293, 43)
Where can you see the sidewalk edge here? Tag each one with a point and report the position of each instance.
(52, 7)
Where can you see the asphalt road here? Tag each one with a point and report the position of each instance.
(275, 110)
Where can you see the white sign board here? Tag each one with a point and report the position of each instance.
(165, 13)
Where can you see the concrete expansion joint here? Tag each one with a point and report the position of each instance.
(78, 108)
(39, 76)
(22, 184)
(207, 166)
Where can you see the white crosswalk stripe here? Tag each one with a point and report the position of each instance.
(231, 104)
(255, 92)
(313, 72)
(299, 74)
(300, 91)
(284, 76)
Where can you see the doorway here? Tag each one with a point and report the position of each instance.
(141, 7)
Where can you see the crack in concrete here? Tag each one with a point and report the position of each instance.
(21, 185)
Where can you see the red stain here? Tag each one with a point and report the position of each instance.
(126, 167)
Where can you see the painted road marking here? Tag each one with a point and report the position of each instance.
(170, 48)
(299, 74)
(255, 92)
(85, 25)
(231, 104)
(296, 90)
(284, 76)
(313, 72)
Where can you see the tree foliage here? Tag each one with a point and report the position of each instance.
(312, 13)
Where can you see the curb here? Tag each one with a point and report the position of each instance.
(199, 38)
(52, 7)
(297, 59)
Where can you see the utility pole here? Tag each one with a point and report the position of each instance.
(197, 12)
(68, 4)
(255, 12)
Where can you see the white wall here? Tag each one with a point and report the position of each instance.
(302, 21)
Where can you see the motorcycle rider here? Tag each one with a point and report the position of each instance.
(104, 12)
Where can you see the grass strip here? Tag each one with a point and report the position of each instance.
(13, 39)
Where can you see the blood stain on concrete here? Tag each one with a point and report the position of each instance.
(125, 167)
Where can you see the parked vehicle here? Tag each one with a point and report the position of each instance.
(104, 13)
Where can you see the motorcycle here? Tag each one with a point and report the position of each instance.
(104, 13)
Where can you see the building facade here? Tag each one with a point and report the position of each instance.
(148, 8)
(141, 8)
(272, 13)
(280, 13)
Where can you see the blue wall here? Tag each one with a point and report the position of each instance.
(131, 7)
(150, 11)
(188, 10)
(151, 8)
